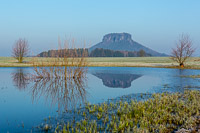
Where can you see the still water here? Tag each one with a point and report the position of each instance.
(24, 104)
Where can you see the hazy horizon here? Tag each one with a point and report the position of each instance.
(155, 24)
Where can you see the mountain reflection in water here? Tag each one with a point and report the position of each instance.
(114, 80)
(65, 92)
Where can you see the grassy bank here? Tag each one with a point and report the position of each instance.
(163, 62)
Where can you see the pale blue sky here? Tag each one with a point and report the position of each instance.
(154, 23)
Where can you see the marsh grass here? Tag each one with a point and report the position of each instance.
(158, 113)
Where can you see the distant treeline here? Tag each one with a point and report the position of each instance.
(98, 52)
(65, 52)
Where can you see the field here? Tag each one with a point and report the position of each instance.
(163, 62)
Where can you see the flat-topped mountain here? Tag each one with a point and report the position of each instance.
(112, 45)
(123, 42)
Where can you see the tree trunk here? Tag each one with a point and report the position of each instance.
(181, 65)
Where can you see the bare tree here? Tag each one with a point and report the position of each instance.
(183, 50)
(20, 49)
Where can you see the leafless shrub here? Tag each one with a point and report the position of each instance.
(20, 49)
(64, 80)
(183, 50)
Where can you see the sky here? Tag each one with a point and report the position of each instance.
(156, 24)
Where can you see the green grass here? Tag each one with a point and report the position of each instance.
(166, 62)
(11, 62)
(131, 59)
(161, 113)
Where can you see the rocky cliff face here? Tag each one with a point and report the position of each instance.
(116, 37)
(123, 42)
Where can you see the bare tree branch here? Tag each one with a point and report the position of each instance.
(20, 49)
(183, 50)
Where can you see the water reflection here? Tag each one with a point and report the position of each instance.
(20, 79)
(114, 80)
(184, 82)
(66, 92)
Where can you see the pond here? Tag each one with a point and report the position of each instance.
(25, 104)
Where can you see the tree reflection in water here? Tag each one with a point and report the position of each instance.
(64, 82)
(20, 79)
(65, 86)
